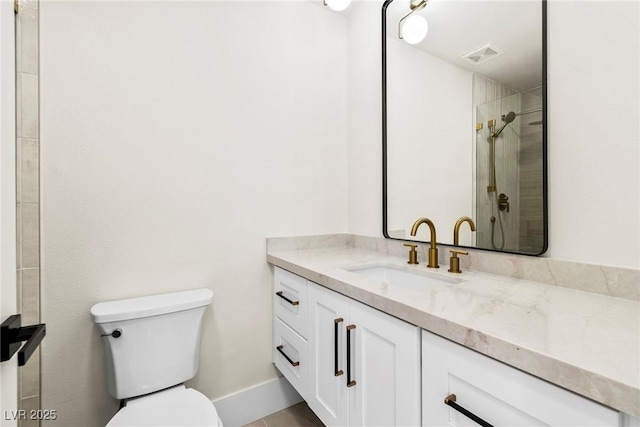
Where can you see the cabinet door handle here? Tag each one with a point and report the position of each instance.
(281, 295)
(279, 348)
(337, 372)
(350, 382)
(451, 401)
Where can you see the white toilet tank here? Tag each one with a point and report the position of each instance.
(156, 343)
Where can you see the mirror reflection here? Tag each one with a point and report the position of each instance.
(465, 123)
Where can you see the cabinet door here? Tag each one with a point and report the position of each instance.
(497, 393)
(328, 392)
(386, 362)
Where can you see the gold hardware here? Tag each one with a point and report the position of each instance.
(416, 5)
(351, 327)
(491, 188)
(338, 320)
(413, 254)
(450, 398)
(15, 6)
(456, 228)
(454, 261)
(433, 250)
(479, 126)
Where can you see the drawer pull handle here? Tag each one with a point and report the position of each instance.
(350, 382)
(279, 348)
(281, 295)
(337, 372)
(451, 401)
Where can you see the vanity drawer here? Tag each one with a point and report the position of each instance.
(497, 393)
(290, 300)
(290, 356)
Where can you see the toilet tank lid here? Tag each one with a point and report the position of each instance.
(152, 305)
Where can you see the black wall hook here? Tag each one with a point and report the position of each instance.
(12, 334)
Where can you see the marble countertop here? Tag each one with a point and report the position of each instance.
(585, 342)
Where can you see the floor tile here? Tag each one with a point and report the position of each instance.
(296, 416)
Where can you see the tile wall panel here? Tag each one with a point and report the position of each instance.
(28, 193)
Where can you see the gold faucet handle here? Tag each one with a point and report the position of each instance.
(456, 252)
(454, 261)
(413, 254)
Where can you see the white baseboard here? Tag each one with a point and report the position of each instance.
(256, 402)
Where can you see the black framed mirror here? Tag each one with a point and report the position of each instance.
(464, 122)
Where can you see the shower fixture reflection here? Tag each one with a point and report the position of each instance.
(492, 189)
(508, 118)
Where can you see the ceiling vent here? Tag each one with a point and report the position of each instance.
(483, 54)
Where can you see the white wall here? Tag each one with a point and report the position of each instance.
(594, 148)
(364, 114)
(176, 136)
(593, 135)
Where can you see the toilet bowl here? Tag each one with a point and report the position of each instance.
(178, 406)
(152, 346)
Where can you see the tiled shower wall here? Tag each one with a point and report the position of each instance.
(28, 193)
(531, 175)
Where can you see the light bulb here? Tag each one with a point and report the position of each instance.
(414, 29)
(338, 5)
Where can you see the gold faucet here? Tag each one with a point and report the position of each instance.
(456, 228)
(433, 250)
(454, 261)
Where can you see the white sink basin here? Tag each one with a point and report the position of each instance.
(405, 277)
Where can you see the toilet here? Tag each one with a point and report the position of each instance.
(152, 346)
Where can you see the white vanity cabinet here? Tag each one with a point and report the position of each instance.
(357, 366)
(497, 393)
(364, 364)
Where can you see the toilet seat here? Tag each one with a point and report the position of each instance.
(177, 406)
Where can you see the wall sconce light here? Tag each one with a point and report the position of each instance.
(337, 5)
(413, 28)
